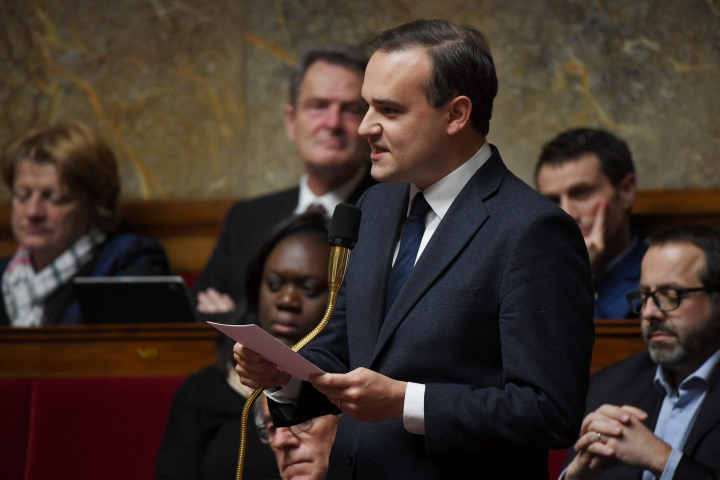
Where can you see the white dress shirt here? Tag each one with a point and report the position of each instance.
(331, 199)
(440, 196)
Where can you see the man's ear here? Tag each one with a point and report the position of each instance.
(289, 121)
(459, 111)
(627, 189)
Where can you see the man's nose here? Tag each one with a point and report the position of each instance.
(369, 127)
(650, 311)
(333, 118)
(568, 207)
(284, 439)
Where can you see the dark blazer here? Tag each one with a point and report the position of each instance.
(495, 320)
(123, 254)
(630, 383)
(613, 286)
(247, 225)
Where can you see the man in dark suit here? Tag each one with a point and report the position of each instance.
(463, 334)
(321, 119)
(657, 414)
(589, 173)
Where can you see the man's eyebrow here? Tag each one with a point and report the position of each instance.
(642, 286)
(385, 101)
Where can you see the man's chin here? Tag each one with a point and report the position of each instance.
(299, 471)
(385, 175)
(666, 354)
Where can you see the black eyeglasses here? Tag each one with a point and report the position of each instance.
(267, 432)
(666, 299)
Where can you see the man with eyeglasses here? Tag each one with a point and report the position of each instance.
(657, 414)
(302, 450)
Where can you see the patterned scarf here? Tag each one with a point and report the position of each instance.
(25, 291)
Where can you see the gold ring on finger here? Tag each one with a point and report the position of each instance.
(599, 437)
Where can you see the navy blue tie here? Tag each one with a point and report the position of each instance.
(409, 245)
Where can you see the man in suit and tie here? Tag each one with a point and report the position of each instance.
(657, 414)
(462, 337)
(589, 173)
(321, 119)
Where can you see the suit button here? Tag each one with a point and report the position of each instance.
(349, 460)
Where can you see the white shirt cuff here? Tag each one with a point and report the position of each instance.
(672, 464)
(287, 395)
(414, 408)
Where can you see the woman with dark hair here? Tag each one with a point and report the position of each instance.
(286, 294)
(64, 185)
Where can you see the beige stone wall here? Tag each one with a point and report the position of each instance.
(190, 93)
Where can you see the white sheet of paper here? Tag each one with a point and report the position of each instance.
(270, 348)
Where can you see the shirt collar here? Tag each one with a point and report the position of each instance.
(698, 380)
(441, 194)
(331, 199)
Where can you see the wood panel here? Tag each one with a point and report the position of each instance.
(181, 349)
(188, 228)
(654, 210)
(615, 340)
(107, 350)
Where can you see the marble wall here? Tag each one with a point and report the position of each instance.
(190, 92)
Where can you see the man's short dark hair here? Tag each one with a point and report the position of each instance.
(350, 57)
(704, 237)
(461, 62)
(613, 153)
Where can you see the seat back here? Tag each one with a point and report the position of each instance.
(15, 394)
(90, 428)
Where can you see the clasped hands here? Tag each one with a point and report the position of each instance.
(362, 394)
(616, 434)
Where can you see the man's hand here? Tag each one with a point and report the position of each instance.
(256, 372)
(618, 434)
(363, 394)
(212, 301)
(595, 241)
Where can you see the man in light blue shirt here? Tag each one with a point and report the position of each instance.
(656, 415)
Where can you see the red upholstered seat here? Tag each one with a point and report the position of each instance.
(556, 460)
(189, 277)
(15, 397)
(90, 428)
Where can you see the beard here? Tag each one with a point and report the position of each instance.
(690, 345)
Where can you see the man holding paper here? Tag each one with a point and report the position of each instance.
(463, 335)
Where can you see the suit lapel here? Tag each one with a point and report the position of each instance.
(709, 414)
(462, 221)
(650, 402)
(384, 229)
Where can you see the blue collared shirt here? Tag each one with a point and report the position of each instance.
(679, 410)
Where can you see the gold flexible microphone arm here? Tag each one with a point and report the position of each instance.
(343, 235)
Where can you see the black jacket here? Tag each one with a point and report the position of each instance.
(247, 225)
(630, 383)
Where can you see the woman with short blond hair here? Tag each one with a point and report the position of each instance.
(64, 187)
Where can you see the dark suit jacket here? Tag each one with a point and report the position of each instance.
(630, 383)
(246, 227)
(121, 255)
(614, 284)
(495, 320)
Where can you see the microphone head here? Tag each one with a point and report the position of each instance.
(345, 226)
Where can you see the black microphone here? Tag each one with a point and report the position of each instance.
(345, 226)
